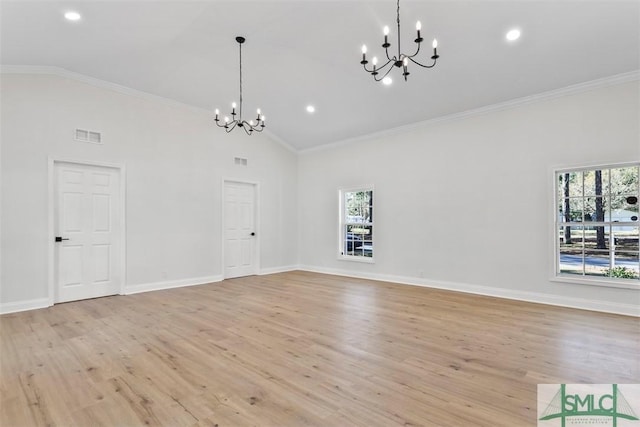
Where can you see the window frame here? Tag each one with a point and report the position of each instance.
(342, 224)
(556, 274)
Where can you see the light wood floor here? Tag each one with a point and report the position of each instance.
(297, 349)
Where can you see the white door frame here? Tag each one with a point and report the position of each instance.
(256, 208)
(121, 263)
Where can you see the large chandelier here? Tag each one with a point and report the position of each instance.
(230, 124)
(401, 60)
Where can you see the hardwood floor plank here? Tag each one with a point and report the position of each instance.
(302, 349)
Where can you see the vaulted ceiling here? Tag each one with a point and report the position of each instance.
(307, 52)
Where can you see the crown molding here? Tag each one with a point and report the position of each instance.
(61, 72)
(103, 84)
(506, 105)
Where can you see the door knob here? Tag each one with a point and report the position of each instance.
(60, 239)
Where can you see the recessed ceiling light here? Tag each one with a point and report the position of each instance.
(311, 109)
(513, 35)
(387, 80)
(72, 16)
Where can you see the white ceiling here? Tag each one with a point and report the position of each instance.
(308, 52)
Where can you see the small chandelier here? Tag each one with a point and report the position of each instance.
(401, 60)
(230, 124)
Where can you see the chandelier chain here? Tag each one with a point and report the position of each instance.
(398, 21)
(240, 44)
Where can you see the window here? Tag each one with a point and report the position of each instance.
(597, 224)
(356, 224)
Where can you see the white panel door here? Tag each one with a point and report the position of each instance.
(239, 230)
(87, 229)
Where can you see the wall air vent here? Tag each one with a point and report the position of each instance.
(88, 136)
(240, 161)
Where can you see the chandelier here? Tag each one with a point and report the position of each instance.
(401, 60)
(230, 124)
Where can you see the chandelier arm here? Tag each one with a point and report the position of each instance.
(390, 61)
(386, 52)
(388, 66)
(416, 52)
(249, 128)
(377, 68)
(232, 126)
(423, 66)
(227, 125)
(385, 74)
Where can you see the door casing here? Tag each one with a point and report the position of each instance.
(121, 261)
(256, 208)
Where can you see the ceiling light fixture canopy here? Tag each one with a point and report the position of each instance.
(230, 124)
(401, 60)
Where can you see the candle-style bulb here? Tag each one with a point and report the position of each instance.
(258, 111)
(406, 61)
(386, 44)
(226, 119)
(217, 111)
(374, 61)
(418, 26)
(364, 49)
(251, 122)
(262, 118)
(435, 43)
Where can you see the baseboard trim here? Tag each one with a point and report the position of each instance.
(275, 270)
(15, 307)
(534, 297)
(158, 286)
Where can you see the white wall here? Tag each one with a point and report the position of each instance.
(489, 173)
(466, 204)
(175, 161)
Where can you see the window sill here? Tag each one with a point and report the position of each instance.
(603, 282)
(365, 260)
